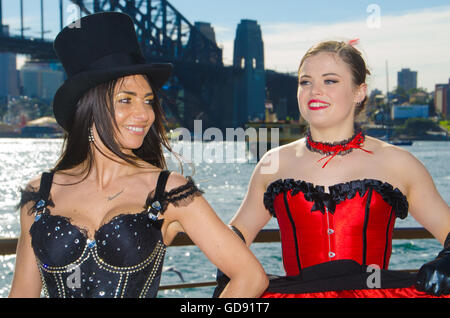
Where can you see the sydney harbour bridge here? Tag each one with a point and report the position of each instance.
(202, 87)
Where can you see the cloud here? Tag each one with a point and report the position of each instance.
(221, 29)
(416, 40)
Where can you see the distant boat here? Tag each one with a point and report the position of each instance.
(397, 142)
(44, 127)
(401, 142)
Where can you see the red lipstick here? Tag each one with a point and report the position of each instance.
(317, 107)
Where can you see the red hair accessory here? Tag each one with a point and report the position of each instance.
(353, 42)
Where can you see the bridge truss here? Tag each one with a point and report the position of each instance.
(165, 35)
(200, 88)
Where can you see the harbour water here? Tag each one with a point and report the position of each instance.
(225, 185)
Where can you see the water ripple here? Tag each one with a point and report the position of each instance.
(225, 185)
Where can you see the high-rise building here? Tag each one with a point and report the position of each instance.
(207, 30)
(41, 80)
(9, 84)
(250, 89)
(407, 79)
(203, 51)
(442, 99)
(8, 75)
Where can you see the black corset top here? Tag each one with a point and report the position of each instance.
(123, 259)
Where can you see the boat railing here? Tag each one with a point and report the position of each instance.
(8, 247)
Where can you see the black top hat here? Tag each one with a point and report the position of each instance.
(96, 49)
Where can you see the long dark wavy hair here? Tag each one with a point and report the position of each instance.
(97, 107)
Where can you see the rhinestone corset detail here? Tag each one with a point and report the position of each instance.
(123, 259)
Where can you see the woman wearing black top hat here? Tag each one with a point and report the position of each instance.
(97, 224)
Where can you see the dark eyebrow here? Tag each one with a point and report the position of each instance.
(331, 74)
(134, 94)
(326, 74)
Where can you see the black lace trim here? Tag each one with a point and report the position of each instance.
(338, 193)
(32, 194)
(179, 196)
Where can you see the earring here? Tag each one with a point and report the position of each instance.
(91, 135)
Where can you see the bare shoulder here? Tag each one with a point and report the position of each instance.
(399, 162)
(286, 151)
(34, 183)
(175, 180)
(392, 155)
(276, 160)
(69, 176)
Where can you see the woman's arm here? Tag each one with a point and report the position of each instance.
(222, 247)
(252, 215)
(26, 280)
(430, 210)
(425, 203)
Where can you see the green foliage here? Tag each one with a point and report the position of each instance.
(445, 124)
(417, 127)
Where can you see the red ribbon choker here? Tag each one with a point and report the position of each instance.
(338, 148)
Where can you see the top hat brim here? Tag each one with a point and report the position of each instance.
(70, 92)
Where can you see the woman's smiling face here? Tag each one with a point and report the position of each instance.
(326, 93)
(133, 108)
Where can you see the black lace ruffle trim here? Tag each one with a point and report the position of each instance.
(30, 194)
(338, 193)
(180, 196)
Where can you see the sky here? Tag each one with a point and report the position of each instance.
(402, 33)
(407, 34)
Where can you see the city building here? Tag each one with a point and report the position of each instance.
(419, 98)
(207, 30)
(375, 99)
(9, 79)
(9, 83)
(200, 49)
(250, 88)
(442, 99)
(402, 112)
(407, 79)
(41, 80)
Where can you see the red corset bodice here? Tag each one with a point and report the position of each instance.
(353, 221)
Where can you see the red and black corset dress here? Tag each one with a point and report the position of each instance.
(335, 244)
